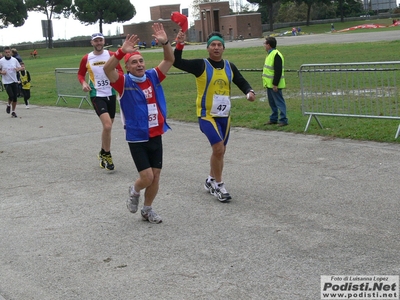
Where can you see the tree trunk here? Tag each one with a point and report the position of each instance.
(49, 34)
(101, 22)
(308, 13)
(270, 6)
(341, 10)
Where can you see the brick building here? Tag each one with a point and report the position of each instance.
(214, 16)
(159, 14)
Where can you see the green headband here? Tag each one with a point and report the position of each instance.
(215, 38)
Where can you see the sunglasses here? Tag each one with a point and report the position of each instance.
(95, 35)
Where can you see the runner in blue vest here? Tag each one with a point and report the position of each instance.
(144, 114)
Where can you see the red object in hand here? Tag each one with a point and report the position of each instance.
(181, 20)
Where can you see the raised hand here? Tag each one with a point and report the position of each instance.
(180, 38)
(159, 33)
(130, 43)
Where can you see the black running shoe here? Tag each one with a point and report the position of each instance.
(8, 109)
(108, 162)
(13, 115)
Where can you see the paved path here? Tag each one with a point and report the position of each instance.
(303, 206)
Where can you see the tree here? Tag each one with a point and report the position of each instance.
(351, 8)
(12, 12)
(341, 10)
(309, 4)
(264, 14)
(324, 11)
(269, 4)
(104, 11)
(52, 9)
(291, 12)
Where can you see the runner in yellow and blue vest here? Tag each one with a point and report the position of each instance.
(25, 78)
(214, 77)
(274, 81)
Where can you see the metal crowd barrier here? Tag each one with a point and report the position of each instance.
(365, 90)
(68, 86)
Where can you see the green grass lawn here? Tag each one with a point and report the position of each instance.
(180, 89)
(323, 28)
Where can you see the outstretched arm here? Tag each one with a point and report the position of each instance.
(161, 36)
(242, 83)
(111, 64)
(192, 66)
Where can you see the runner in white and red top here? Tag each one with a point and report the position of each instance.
(102, 95)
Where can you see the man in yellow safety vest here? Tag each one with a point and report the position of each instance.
(274, 81)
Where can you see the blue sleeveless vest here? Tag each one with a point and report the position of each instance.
(134, 107)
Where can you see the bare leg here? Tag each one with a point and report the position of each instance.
(106, 134)
(217, 160)
(149, 179)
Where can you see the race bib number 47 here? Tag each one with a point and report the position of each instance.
(221, 106)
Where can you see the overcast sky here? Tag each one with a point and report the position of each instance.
(31, 31)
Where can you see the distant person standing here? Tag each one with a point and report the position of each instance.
(102, 95)
(274, 81)
(16, 55)
(25, 78)
(9, 67)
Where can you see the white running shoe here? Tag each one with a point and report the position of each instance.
(210, 186)
(151, 216)
(221, 193)
(133, 201)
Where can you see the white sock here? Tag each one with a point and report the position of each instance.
(210, 178)
(146, 208)
(134, 191)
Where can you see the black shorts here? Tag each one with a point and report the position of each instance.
(147, 154)
(105, 105)
(12, 91)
